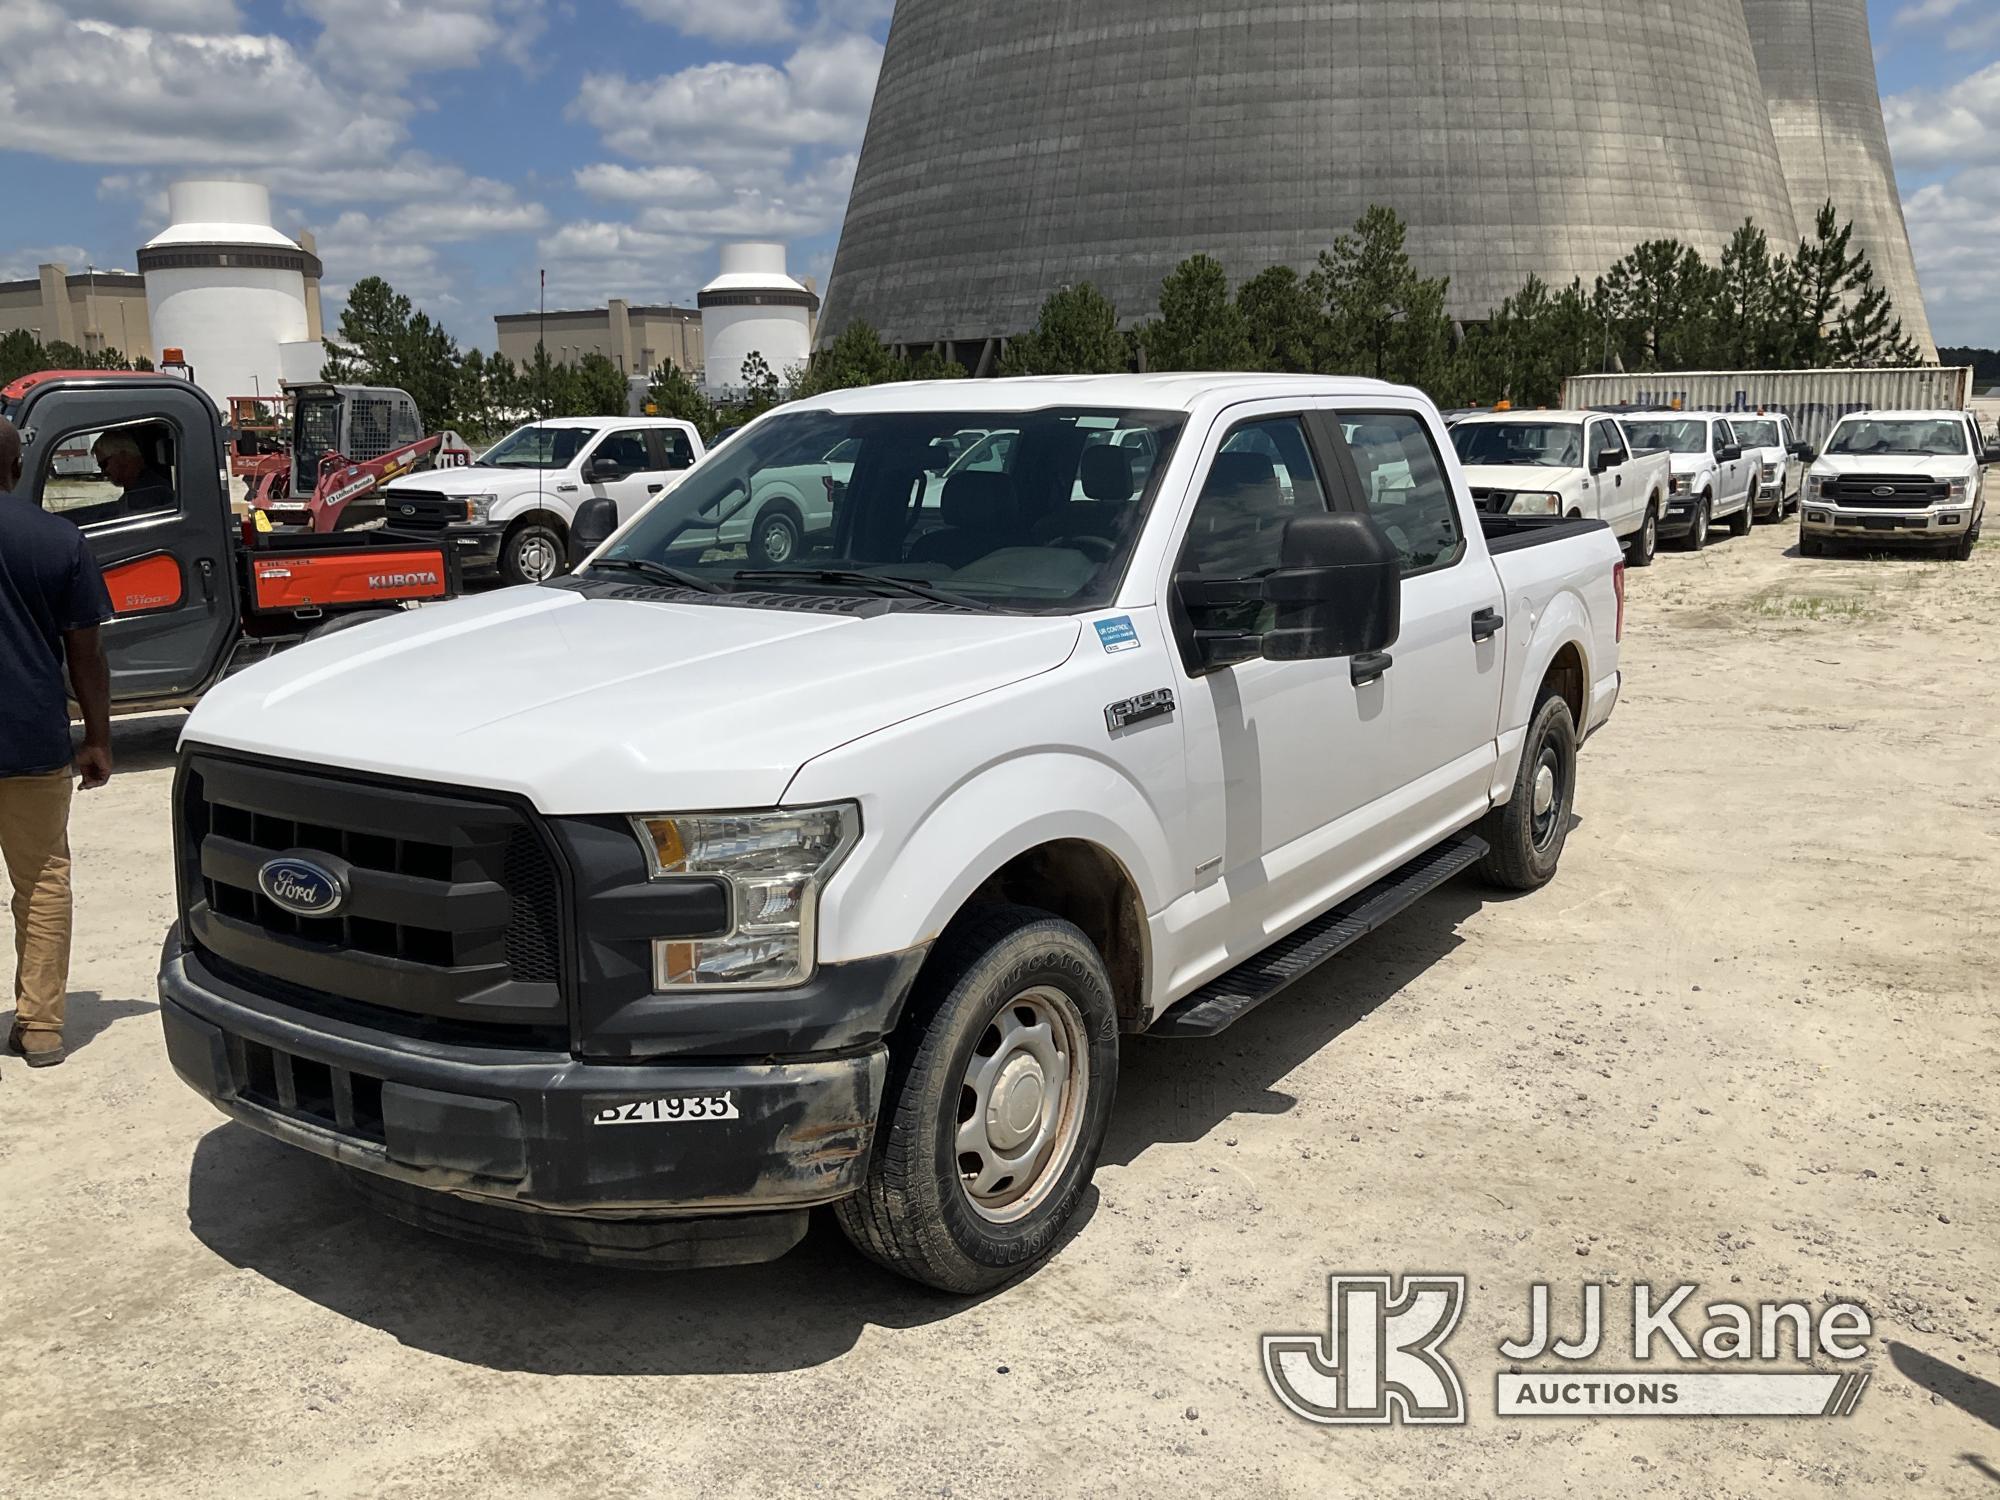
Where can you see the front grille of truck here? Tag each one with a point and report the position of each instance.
(420, 510)
(1492, 502)
(1905, 491)
(453, 911)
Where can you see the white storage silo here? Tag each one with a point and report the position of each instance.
(226, 288)
(754, 307)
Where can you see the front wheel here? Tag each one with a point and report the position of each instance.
(775, 539)
(1697, 534)
(1001, 1078)
(1646, 544)
(1809, 545)
(533, 552)
(1526, 834)
(1744, 519)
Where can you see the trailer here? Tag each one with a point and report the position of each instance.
(1813, 399)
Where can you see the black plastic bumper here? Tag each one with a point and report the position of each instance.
(532, 1129)
(476, 546)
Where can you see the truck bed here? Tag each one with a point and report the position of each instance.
(1512, 533)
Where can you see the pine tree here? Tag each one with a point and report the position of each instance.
(1199, 327)
(1076, 333)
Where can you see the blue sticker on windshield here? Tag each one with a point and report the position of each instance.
(1117, 633)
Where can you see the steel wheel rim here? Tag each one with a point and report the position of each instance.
(1021, 1104)
(536, 557)
(777, 540)
(1648, 538)
(1547, 802)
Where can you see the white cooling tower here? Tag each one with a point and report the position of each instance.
(226, 288)
(754, 307)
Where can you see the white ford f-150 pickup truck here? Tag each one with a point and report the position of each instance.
(511, 511)
(1771, 443)
(1901, 477)
(1566, 463)
(1711, 476)
(634, 913)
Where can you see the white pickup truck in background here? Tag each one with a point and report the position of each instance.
(510, 513)
(1771, 442)
(1566, 463)
(632, 915)
(1712, 479)
(1898, 477)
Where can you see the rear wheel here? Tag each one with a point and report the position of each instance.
(1645, 545)
(1525, 835)
(1001, 1078)
(775, 539)
(532, 552)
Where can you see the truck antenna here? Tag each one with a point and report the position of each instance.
(542, 344)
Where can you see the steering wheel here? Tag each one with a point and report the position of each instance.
(1096, 548)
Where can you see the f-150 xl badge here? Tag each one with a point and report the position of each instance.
(675, 1109)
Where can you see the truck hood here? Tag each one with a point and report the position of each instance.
(1689, 463)
(612, 706)
(1832, 465)
(480, 481)
(1520, 476)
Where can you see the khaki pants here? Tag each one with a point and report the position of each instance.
(34, 837)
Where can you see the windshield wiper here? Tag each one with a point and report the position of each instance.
(650, 569)
(853, 578)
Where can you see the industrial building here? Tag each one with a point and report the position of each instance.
(755, 307)
(238, 298)
(1015, 148)
(1818, 71)
(636, 339)
(94, 310)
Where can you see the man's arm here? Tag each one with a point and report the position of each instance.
(90, 685)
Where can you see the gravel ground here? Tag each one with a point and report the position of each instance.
(1746, 1039)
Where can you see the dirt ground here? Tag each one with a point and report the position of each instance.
(1748, 1039)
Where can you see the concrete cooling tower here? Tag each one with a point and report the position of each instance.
(1818, 68)
(1014, 148)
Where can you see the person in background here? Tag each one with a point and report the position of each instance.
(52, 599)
(121, 460)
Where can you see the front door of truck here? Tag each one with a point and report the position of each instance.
(623, 466)
(1277, 751)
(139, 471)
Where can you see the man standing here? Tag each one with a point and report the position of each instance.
(52, 599)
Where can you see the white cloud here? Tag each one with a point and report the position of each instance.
(18, 265)
(382, 43)
(590, 260)
(723, 20)
(161, 15)
(820, 97)
(1954, 227)
(1927, 12)
(1931, 128)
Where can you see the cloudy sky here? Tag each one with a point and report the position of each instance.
(454, 146)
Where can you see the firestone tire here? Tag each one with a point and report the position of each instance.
(965, 1074)
(1526, 834)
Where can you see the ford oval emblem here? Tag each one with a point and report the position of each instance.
(301, 886)
(1883, 489)
(409, 510)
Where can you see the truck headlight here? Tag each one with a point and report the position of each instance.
(1823, 486)
(776, 863)
(1955, 493)
(1536, 504)
(480, 507)
(1770, 471)
(1677, 484)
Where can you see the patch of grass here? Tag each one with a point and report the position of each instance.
(1813, 607)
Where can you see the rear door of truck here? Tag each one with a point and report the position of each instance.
(164, 539)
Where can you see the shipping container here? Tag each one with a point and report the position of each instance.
(1814, 399)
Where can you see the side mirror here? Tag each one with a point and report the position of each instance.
(1338, 591)
(1802, 451)
(595, 520)
(1730, 454)
(1606, 462)
(602, 468)
(1990, 457)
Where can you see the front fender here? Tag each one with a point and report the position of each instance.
(513, 507)
(914, 872)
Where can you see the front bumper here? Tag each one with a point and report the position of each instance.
(1938, 523)
(530, 1130)
(477, 544)
(1679, 517)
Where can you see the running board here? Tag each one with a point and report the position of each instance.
(1233, 995)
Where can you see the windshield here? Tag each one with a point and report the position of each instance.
(1039, 514)
(1551, 444)
(1675, 437)
(318, 431)
(537, 448)
(1754, 432)
(1940, 438)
